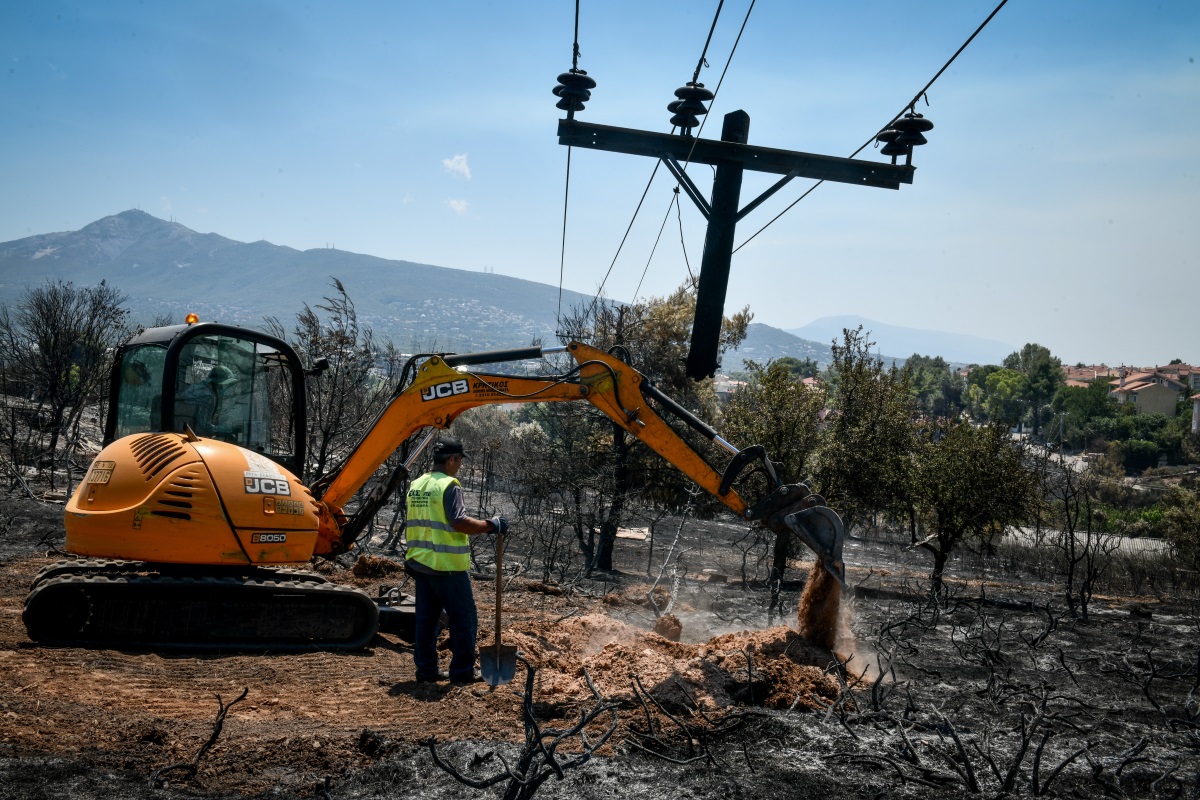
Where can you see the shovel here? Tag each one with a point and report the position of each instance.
(498, 663)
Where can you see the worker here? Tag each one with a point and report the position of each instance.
(215, 413)
(439, 555)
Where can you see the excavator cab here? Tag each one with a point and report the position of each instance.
(222, 382)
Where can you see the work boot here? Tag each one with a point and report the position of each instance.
(474, 677)
(441, 675)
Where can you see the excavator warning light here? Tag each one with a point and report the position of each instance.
(191, 319)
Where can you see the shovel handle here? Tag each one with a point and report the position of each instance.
(499, 587)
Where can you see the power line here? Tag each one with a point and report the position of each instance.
(721, 80)
(562, 256)
(624, 238)
(687, 162)
(682, 243)
(702, 63)
(695, 76)
(909, 106)
(657, 239)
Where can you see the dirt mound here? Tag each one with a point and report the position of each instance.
(669, 626)
(776, 668)
(376, 567)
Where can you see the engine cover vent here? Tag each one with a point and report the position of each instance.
(155, 452)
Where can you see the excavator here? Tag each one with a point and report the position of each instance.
(192, 528)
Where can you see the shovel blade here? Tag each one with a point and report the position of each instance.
(498, 664)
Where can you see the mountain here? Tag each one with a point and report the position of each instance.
(168, 270)
(956, 348)
(764, 343)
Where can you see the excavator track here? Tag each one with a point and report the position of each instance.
(110, 567)
(123, 604)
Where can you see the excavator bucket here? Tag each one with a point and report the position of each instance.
(822, 530)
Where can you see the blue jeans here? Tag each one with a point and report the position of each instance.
(450, 592)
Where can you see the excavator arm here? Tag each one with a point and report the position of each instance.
(444, 387)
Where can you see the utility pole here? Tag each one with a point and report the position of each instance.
(731, 156)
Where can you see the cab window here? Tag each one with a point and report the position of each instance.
(237, 391)
(139, 395)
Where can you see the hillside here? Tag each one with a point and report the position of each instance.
(168, 270)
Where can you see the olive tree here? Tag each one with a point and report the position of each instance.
(779, 411)
(968, 482)
(864, 461)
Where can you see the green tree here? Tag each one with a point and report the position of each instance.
(970, 482)
(1181, 523)
(1043, 375)
(802, 368)
(977, 374)
(864, 461)
(937, 390)
(1004, 396)
(1136, 455)
(1081, 407)
(779, 411)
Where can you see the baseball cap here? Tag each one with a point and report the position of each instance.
(449, 446)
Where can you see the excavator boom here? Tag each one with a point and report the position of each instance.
(443, 388)
(440, 392)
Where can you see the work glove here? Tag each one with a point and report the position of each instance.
(499, 525)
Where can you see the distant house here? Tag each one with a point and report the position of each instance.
(1082, 376)
(1153, 391)
(1186, 374)
(726, 387)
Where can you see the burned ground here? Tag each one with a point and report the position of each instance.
(992, 690)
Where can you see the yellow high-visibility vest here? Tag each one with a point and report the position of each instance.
(431, 540)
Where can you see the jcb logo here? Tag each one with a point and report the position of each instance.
(448, 389)
(267, 486)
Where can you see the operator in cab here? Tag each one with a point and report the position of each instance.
(439, 555)
(215, 413)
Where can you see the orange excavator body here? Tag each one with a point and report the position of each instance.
(173, 499)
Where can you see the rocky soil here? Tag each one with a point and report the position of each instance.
(993, 691)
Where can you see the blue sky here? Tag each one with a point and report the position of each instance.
(1056, 202)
